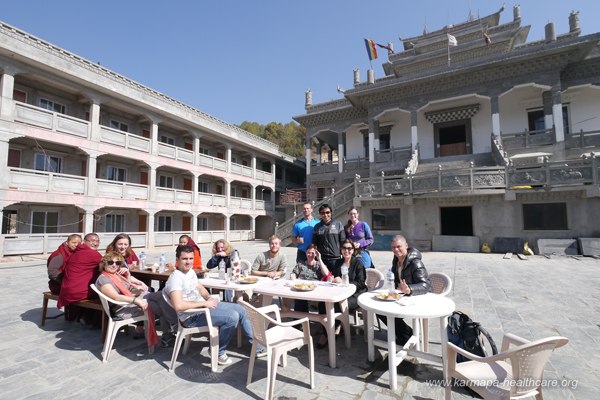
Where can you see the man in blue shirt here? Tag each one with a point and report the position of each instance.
(302, 233)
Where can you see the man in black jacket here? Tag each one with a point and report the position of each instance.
(410, 278)
(328, 236)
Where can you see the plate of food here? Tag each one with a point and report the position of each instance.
(303, 287)
(248, 279)
(388, 296)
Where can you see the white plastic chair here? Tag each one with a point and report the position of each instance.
(115, 325)
(185, 333)
(440, 284)
(374, 280)
(511, 374)
(278, 340)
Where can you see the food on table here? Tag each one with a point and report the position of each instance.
(304, 286)
(389, 296)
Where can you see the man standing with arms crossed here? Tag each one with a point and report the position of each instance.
(302, 233)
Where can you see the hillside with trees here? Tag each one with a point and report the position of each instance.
(289, 137)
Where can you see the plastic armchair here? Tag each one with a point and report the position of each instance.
(374, 280)
(440, 284)
(185, 333)
(114, 325)
(280, 338)
(513, 373)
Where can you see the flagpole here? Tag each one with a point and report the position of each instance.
(448, 45)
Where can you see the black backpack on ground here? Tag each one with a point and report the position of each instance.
(468, 334)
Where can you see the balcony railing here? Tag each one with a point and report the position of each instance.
(213, 162)
(174, 195)
(240, 202)
(123, 139)
(583, 139)
(209, 199)
(263, 205)
(40, 117)
(393, 155)
(123, 190)
(528, 139)
(178, 153)
(264, 176)
(21, 178)
(241, 170)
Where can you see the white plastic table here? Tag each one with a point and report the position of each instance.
(424, 306)
(324, 292)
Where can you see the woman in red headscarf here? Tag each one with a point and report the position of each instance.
(186, 240)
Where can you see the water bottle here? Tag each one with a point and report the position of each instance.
(391, 285)
(345, 279)
(142, 260)
(161, 263)
(222, 269)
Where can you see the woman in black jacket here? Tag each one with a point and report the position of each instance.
(356, 276)
(410, 278)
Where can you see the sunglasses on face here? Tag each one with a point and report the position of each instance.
(325, 212)
(111, 262)
(347, 248)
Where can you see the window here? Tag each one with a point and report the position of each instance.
(203, 187)
(202, 150)
(165, 223)
(167, 139)
(233, 192)
(52, 106)
(565, 112)
(232, 224)
(202, 223)
(386, 219)
(165, 181)
(43, 162)
(115, 223)
(116, 174)
(535, 120)
(19, 95)
(384, 137)
(9, 222)
(44, 222)
(118, 125)
(548, 216)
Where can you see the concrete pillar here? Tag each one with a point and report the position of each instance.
(253, 226)
(92, 165)
(88, 223)
(341, 155)
(495, 105)
(196, 150)
(194, 227)
(373, 138)
(94, 127)
(414, 134)
(253, 196)
(253, 165)
(150, 235)
(195, 194)
(559, 123)
(273, 171)
(7, 104)
(152, 182)
(4, 177)
(228, 158)
(154, 138)
(227, 230)
(547, 101)
(227, 193)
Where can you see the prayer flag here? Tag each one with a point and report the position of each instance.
(388, 48)
(452, 40)
(371, 49)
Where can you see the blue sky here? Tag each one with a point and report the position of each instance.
(251, 60)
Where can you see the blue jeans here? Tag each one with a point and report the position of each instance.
(226, 316)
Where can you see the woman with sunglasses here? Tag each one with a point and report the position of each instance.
(122, 245)
(356, 276)
(117, 287)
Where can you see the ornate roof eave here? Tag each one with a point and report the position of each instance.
(489, 20)
(578, 47)
(330, 112)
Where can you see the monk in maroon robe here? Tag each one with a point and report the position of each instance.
(58, 260)
(80, 271)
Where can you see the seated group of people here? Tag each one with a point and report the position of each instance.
(80, 263)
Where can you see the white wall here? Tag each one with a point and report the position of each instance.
(583, 109)
(514, 105)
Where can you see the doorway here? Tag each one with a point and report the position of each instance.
(456, 221)
(453, 138)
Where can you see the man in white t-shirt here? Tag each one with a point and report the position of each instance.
(185, 291)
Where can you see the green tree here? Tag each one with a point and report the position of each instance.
(289, 137)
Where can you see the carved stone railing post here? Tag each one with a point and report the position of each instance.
(547, 168)
(356, 182)
(594, 169)
(472, 174)
(439, 178)
(382, 183)
(277, 227)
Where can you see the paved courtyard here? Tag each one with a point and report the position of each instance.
(532, 298)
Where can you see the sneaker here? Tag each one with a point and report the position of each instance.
(224, 360)
(167, 340)
(261, 351)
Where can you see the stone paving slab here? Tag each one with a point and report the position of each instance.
(533, 298)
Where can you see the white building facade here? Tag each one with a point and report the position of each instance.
(494, 137)
(85, 149)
